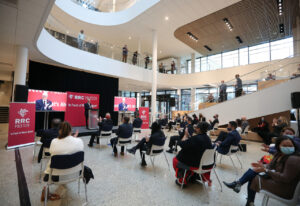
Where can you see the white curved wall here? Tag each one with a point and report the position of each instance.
(103, 18)
(86, 61)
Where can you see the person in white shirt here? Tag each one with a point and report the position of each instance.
(64, 144)
(239, 124)
(80, 39)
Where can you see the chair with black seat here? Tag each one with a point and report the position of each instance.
(135, 135)
(155, 151)
(233, 150)
(66, 162)
(45, 156)
(123, 142)
(105, 134)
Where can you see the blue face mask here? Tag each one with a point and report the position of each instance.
(290, 136)
(287, 150)
(229, 129)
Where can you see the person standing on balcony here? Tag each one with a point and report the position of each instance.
(223, 93)
(172, 67)
(125, 53)
(147, 61)
(80, 39)
(161, 67)
(134, 58)
(238, 86)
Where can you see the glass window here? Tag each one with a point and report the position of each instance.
(204, 66)
(230, 59)
(189, 66)
(214, 62)
(244, 56)
(185, 99)
(197, 65)
(259, 53)
(282, 48)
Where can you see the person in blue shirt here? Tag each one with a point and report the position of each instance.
(137, 122)
(232, 138)
(175, 139)
(125, 53)
(124, 131)
(123, 107)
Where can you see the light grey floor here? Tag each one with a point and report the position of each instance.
(122, 181)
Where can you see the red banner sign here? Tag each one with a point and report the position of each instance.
(124, 104)
(144, 115)
(75, 107)
(21, 124)
(57, 99)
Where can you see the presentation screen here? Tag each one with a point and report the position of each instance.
(124, 104)
(47, 100)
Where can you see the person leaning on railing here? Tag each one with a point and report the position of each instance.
(80, 39)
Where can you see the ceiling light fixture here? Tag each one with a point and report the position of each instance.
(280, 7)
(281, 28)
(192, 36)
(239, 39)
(207, 47)
(228, 24)
(129, 37)
(166, 18)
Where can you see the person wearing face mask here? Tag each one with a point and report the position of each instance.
(289, 132)
(232, 138)
(280, 177)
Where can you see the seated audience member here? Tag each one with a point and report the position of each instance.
(245, 124)
(277, 125)
(177, 138)
(157, 137)
(195, 119)
(239, 126)
(232, 138)
(262, 128)
(183, 122)
(289, 132)
(270, 77)
(137, 122)
(48, 135)
(202, 118)
(280, 176)
(64, 144)
(124, 131)
(216, 121)
(210, 98)
(192, 149)
(178, 118)
(104, 125)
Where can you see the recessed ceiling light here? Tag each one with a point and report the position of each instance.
(67, 32)
(160, 52)
(166, 18)
(129, 37)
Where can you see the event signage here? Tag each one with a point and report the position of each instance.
(21, 124)
(124, 104)
(58, 100)
(75, 107)
(144, 115)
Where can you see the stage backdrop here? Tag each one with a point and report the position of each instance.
(144, 115)
(75, 107)
(58, 99)
(54, 78)
(21, 124)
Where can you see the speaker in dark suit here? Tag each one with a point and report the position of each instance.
(87, 107)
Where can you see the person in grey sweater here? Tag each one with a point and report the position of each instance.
(238, 86)
(223, 93)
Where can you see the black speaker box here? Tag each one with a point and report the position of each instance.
(21, 93)
(295, 98)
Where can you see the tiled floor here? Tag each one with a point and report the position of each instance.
(122, 181)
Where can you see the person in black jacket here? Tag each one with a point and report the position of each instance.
(87, 107)
(195, 119)
(104, 125)
(124, 131)
(192, 149)
(175, 139)
(157, 137)
(48, 135)
(137, 122)
(216, 121)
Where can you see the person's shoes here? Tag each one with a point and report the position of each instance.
(131, 151)
(143, 163)
(175, 150)
(90, 145)
(122, 153)
(115, 154)
(236, 186)
(170, 151)
(179, 184)
(209, 183)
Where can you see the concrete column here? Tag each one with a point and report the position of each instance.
(179, 99)
(193, 59)
(296, 37)
(21, 65)
(139, 99)
(154, 76)
(178, 66)
(193, 99)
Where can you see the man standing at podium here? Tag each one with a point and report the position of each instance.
(87, 107)
(44, 103)
(123, 106)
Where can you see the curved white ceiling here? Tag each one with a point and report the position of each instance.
(103, 18)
